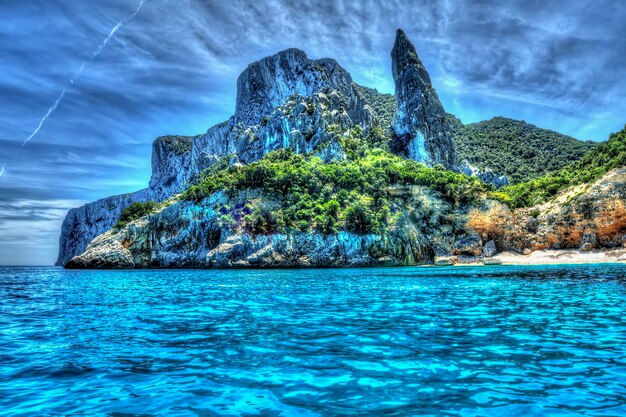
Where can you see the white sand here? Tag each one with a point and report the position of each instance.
(562, 256)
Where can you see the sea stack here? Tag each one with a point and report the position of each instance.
(420, 126)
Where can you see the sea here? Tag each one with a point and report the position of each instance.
(410, 341)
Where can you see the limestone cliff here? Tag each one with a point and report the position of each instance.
(421, 128)
(587, 217)
(268, 83)
(171, 160)
(283, 101)
(188, 234)
(83, 224)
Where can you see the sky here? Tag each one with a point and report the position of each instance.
(109, 76)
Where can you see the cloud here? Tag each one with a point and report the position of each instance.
(78, 73)
(29, 229)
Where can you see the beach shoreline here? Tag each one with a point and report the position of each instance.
(540, 257)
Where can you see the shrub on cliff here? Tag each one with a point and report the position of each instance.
(136, 211)
(350, 195)
(359, 218)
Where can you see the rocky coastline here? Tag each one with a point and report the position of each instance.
(314, 109)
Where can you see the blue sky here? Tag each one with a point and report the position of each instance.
(172, 69)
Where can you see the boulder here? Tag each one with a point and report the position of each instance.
(469, 245)
(105, 252)
(490, 249)
(589, 242)
(492, 261)
(586, 247)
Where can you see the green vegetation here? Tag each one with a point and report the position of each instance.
(357, 144)
(384, 105)
(136, 211)
(351, 195)
(519, 150)
(180, 144)
(516, 149)
(592, 166)
(354, 195)
(221, 164)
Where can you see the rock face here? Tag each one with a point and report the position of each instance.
(190, 234)
(186, 234)
(83, 224)
(469, 245)
(585, 217)
(109, 254)
(172, 168)
(301, 124)
(421, 128)
(171, 160)
(486, 175)
(283, 101)
(268, 83)
(589, 242)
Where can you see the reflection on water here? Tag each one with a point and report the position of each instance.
(489, 341)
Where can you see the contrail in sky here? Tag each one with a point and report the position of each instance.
(99, 49)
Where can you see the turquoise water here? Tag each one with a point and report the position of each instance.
(488, 341)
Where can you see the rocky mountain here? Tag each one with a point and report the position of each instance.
(312, 170)
(190, 235)
(421, 128)
(283, 101)
(498, 151)
(268, 83)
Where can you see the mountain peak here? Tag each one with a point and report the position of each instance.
(421, 129)
(400, 35)
(402, 39)
(267, 83)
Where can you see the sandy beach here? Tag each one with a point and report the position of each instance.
(546, 257)
(562, 256)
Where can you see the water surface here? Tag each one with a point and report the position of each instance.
(484, 341)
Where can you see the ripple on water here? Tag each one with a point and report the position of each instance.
(493, 341)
